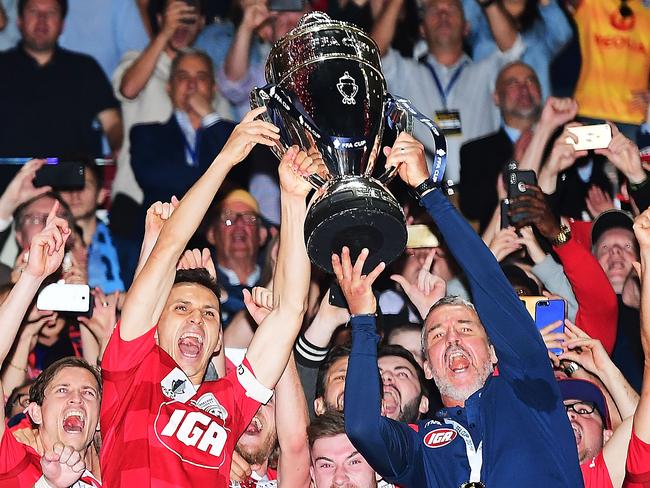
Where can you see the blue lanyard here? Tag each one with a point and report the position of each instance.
(189, 148)
(444, 92)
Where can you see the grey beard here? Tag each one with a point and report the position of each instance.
(449, 390)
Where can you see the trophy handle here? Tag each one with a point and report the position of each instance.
(400, 115)
(260, 97)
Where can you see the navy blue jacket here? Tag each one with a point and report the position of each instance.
(518, 415)
(158, 157)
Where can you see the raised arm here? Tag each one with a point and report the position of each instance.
(597, 305)
(143, 303)
(502, 27)
(291, 421)
(138, 74)
(556, 112)
(291, 277)
(510, 328)
(45, 257)
(383, 29)
(237, 58)
(388, 446)
(642, 415)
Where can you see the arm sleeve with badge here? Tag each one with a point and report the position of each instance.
(390, 447)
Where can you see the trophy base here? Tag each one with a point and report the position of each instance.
(357, 212)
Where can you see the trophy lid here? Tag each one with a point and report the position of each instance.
(316, 38)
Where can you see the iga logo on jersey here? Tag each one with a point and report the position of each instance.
(439, 438)
(193, 435)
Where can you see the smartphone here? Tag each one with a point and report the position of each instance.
(549, 311)
(505, 218)
(420, 236)
(287, 5)
(336, 297)
(596, 136)
(64, 297)
(530, 302)
(517, 181)
(63, 175)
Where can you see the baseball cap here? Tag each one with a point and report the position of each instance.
(241, 196)
(586, 391)
(610, 219)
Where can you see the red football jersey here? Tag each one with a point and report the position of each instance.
(157, 431)
(20, 465)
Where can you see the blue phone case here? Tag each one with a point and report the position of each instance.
(547, 312)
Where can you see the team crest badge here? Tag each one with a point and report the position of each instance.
(439, 438)
(177, 386)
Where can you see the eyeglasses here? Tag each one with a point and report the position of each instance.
(625, 10)
(581, 408)
(230, 218)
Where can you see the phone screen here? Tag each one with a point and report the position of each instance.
(547, 312)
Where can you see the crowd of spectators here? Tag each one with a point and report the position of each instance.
(210, 352)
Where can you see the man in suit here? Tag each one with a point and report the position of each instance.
(167, 158)
(518, 95)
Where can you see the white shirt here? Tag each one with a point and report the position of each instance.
(471, 94)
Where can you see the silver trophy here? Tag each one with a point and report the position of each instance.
(327, 94)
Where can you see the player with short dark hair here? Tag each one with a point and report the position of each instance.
(161, 423)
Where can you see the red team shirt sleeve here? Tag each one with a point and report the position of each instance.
(19, 465)
(637, 467)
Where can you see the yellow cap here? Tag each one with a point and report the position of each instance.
(241, 196)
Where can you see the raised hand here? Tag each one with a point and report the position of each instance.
(426, 290)
(564, 154)
(529, 240)
(103, 319)
(249, 131)
(624, 154)
(21, 189)
(531, 208)
(62, 466)
(408, 155)
(553, 340)
(255, 14)
(558, 111)
(239, 468)
(505, 242)
(259, 303)
(48, 246)
(642, 231)
(157, 215)
(176, 15)
(196, 259)
(294, 167)
(598, 201)
(584, 350)
(356, 287)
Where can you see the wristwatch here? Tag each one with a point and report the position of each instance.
(485, 3)
(563, 236)
(425, 187)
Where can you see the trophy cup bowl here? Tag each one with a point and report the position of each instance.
(327, 94)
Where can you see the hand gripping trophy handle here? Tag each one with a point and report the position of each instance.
(279, 107)
(400, 116)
